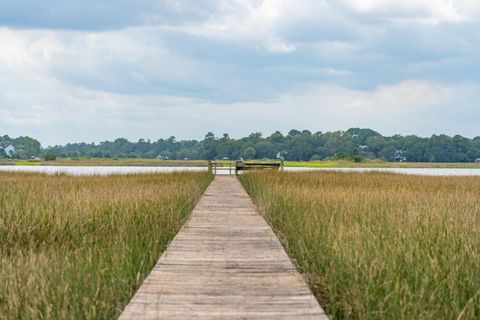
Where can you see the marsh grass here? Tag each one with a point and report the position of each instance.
(78, 247)
(378, 245)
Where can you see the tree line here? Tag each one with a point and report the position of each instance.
(25, 147)
(354, 143)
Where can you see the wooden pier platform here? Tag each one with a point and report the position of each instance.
(225, 263)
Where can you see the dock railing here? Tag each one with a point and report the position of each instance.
(221, 166)
(240, 166)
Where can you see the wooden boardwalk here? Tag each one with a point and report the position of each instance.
(225, 263)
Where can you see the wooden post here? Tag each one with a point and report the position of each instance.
(239, 165)
(209, 166)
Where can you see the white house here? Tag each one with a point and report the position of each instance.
(400, 155)
(9, 151)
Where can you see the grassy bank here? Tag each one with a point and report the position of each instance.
(379, 246)
(78, 247)
(204, 163)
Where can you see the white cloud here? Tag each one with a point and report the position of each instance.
(423, 11)
(76, 114)
(415, 106)
(32, 49)
(257, 22)
(315, 64)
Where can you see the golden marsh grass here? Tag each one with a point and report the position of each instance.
(78, 247)
(378, 245)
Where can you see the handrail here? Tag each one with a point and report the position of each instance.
(242, 166)
(213, 166)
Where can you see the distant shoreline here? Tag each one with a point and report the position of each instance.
(204, 163)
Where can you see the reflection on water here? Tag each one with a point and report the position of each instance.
(89, 171)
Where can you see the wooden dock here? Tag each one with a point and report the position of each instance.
(240, 166)
(225, 263)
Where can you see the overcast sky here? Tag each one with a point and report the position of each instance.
(90, 70)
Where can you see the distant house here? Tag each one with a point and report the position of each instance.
(477, 160)
(10, 151)
(225, 158)
(399, 156)
(159, 157)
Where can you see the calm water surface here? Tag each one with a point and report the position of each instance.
(411, 171)
(89, 171)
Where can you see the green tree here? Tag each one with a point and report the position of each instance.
(50, 157)
(26, 147)
(249, 153)
(265, 149)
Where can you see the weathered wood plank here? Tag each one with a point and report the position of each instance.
(225, 263)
